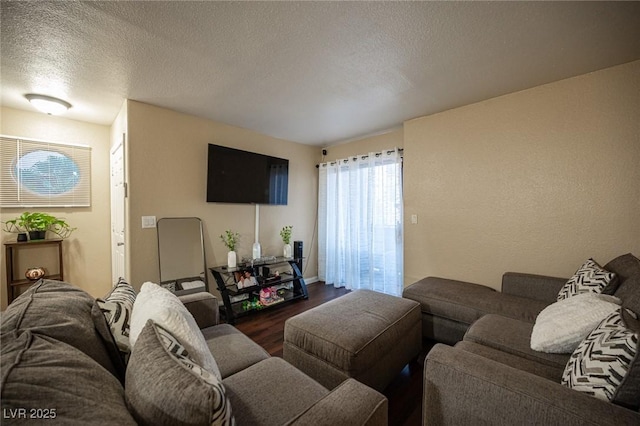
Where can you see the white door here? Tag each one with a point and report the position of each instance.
(118, 195)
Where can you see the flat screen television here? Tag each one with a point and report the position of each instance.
(236, 176)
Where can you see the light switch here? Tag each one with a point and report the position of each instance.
(148, 221)
(414, 219)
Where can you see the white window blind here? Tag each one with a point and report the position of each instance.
(44, 174)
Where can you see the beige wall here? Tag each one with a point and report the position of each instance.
(87, 259)
(536, 181)
(167, 178)
(387, 140)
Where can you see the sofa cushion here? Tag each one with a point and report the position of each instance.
(511, 336)
(117, 307)
(59, 381)
(589, 278)
(624, 266)
(561, 326)
(232, 350)
(553, 373)
(467, 302)
(256, 393)
(165, 386)
(204, 308)
(68, 314)
(165, 309)
(627, 267)
(601, 361)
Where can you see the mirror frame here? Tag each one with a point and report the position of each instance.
(204, 254)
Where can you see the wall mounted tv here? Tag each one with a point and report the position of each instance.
(236, 176)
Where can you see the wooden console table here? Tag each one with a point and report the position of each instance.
(12, 251)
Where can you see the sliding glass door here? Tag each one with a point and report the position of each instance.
(360, 222)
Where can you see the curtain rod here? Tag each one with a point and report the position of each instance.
(362, 157)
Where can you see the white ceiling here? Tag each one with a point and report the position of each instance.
(311, 72)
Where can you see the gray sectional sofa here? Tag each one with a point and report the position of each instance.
(491, 375)
(60, 364)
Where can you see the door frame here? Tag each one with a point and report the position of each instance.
(118, 202)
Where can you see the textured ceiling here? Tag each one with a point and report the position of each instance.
(310, 72)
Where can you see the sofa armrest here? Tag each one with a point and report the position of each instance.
(351, 403)
(537, 287)
(204, 308)
(464, 388)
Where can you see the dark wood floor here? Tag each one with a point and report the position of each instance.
(267, 329)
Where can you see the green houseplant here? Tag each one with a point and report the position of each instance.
(285, 233)
(230, 240)
(36, 224)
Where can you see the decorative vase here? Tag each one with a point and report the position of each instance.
(34, 274)
(232, 259)
(287, 252)
(256, 251)
(22, 237)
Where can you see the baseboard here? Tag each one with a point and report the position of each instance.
(311, 280)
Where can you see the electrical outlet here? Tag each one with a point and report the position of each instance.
(148, 221)
(414, 219)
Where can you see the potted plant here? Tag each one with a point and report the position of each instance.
(285, 233)
(230, 240)
(36, 225)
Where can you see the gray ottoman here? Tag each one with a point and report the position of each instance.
(366, 335)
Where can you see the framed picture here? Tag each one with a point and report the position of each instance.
(245, 278)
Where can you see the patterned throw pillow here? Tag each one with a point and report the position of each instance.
(590, 278)
(117, 307)
(171, 286)
(164, 385)
(600, 363)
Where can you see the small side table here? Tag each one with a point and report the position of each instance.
(12, 251)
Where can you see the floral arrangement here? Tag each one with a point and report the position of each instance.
(230, 239)
(285, 233)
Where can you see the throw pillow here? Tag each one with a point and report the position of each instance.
(561, 326)
(117, 307)
(63, 312)
(600, 363)
(165, 309)
(171, 286)
(628, 391)
(164, 385)
(42, 376)
(589, 278)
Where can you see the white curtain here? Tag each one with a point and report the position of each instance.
(360, 222)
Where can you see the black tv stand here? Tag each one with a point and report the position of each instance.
(239, 302)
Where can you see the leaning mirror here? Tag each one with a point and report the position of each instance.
(183, 266)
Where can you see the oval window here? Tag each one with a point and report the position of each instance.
(47, 172)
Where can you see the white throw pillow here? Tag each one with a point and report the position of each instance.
(561, 326)
(165, 309)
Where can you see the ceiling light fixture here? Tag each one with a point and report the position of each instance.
(48, 104)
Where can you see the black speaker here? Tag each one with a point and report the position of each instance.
(297, 253)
